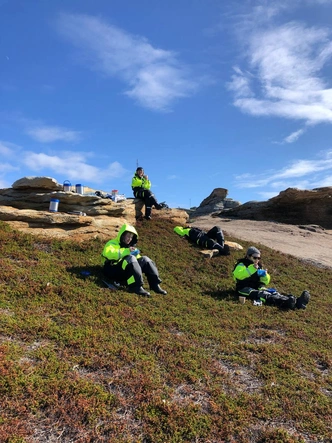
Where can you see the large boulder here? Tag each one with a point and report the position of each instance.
(292, 206)
(37, 183)
(214, 202)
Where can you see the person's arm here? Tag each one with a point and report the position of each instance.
(241, 272)
(265, 279)
(146, 183)
(115, 252)
(136, 182)
(181, 231)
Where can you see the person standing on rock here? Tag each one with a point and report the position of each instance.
(122, 262)
(251, 281)
(212, 239)
(141, 186)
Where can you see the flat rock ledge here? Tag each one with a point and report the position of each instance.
(25, 207)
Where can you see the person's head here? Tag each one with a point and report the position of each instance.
(140, 171)
(127, 236)
(253, 254)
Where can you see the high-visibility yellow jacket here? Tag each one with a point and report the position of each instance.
(114, 250)
(140, 182)
(245, 275)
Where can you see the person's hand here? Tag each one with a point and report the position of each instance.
(146, 177)
(261, 273)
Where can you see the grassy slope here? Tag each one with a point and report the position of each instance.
(82, 363)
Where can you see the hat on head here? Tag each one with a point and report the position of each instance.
(252, 250)
(139, 168)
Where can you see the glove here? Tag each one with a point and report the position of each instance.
(261, 273)
(135, 252)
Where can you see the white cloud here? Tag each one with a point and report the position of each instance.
(50, 134)
(291, 138)
(285, 75)
(72, 165)
(155, 77)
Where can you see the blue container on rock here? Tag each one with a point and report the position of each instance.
(66, 186)
(80, 189)
(54, 203)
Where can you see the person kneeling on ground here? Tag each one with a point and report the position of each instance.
(141, 186)
(213, 239)
(122, 262)
(251, 281)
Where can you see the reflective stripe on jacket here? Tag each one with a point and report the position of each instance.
(140, 182)
(245, 275)
(113, 250)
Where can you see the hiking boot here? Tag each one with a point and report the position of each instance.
(147, 217)
(303, 300)
(225, 250)
(158, 290)
(291, 302)
(162, 205)
(139, 290)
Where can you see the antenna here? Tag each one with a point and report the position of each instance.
(137, 163)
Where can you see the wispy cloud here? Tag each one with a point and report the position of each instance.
(291, 138)
(50, 134)
(8, 149)
(155, 77)
(284, 69)
(302, 174)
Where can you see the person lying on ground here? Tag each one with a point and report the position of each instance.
(252, 281)
(141, 186)
(212, 239)
(122, 262)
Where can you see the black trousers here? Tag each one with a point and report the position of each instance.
(213, 239)
(130, 271)
(269, 297)
(149, 199)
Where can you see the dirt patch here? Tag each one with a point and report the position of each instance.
(308, 242)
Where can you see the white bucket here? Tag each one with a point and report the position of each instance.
(66, 186)
(54, 203)
(80, 189)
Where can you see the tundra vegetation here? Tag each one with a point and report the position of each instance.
(83, 363)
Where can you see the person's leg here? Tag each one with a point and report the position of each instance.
(216, 234)
(150, 201)
(209, 243)
(149, 268)
(250, 293)
(143, 195)
(303, 300)
(274, 298)
(139, 203)
(128, 271)
(114, 272)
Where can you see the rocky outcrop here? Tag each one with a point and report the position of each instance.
(292, 206)
(215, 202)
(26, 205)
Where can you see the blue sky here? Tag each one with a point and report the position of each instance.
(202, 93)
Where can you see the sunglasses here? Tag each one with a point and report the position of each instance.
(256, 258)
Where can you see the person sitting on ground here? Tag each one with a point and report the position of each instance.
(141, 186)
(251, 281)
(212, 239)
(122, 262)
